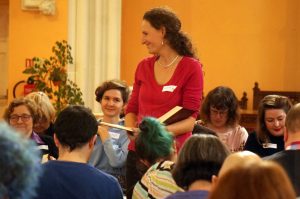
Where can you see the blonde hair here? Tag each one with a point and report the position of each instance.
(44, 106)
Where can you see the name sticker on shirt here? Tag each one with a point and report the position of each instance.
(269, 145)
(169, 88)
(114, 135)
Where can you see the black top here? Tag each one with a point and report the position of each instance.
(52, 149)
(49, 131)
(290, 161)
(276, 144)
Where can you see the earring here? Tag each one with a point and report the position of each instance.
(162, 42)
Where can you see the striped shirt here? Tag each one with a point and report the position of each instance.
(157, 182)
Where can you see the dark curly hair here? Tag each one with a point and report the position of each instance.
(221, 98)
(270, 102)
(113, 84)
(75, 126)
(179, 41)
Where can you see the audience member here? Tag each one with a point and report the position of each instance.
(171, 77)
(237, 159)
(111, 148)
(155, 148)
(70, 176)
(268, 139)
(19, 165)
(46, 113)
(200, 158)
(289, 159)
(21, 114)
(254, 179)
(220, 112)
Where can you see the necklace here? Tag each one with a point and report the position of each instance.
(167, 65)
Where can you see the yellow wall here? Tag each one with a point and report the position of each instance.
(32, 34)
(238, 42)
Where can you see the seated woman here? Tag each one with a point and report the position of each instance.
(255, 179)
(21, 114)
(268, 139)
(220, 113)
(111, 149)
(155, 148)
(46, 113)
(19, 165)
(200, 158)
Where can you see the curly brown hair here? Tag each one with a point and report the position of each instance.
(179, 41)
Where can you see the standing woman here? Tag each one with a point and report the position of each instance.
(268, 139)
(171, 77)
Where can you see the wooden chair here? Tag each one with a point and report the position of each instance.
(249, 117)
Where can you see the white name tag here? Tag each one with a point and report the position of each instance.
(43, 147)
(169, 88)
(114, 135)
(269, 145)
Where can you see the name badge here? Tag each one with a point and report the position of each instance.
(43, 147)
(269, 145)
(169, 88)
(114, 135)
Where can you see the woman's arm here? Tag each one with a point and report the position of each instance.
(115, 151)
(131, 121)
(182, 126)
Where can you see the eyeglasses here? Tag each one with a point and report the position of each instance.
(15, 118)
(214, 111)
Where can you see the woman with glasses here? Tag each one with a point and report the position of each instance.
(21, 115)
(220, 113)
(268, 139)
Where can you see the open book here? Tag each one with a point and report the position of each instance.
(176, 114)
(116, 126)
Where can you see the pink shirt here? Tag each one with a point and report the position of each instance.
(152, 99)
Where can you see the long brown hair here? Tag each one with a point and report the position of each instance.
(269, 102)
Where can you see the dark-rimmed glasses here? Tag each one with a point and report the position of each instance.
(15, 118)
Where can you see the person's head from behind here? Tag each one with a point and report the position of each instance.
(292, 123)
(75, 128)
(153, 143)
(112, 95)
(220, 107)
(200, 158)
(272, 112)
(45, 111)
(19, 165)
(238, 158)
(21, 115)
(259, 180)
(161, 27)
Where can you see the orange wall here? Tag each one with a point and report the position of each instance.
(238, 42)
(32, 34)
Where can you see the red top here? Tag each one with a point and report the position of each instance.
(184, 89)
